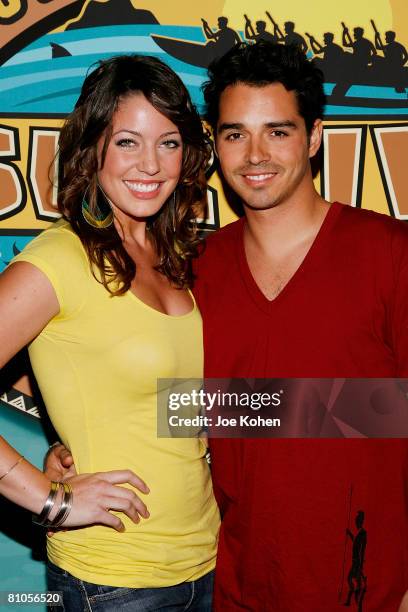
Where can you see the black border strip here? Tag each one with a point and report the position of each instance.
(380, 162)
(216, 224)
(361, 164)
(7, 160)
(38, 214)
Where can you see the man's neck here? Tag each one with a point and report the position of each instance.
(279, 229)
(277, 240)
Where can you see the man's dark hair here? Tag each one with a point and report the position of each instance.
(261, 64)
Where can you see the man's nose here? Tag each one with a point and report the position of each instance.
(257, 151)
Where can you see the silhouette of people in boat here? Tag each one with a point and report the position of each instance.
(363, 49)
(222, 40)
(394, 58)
(357, 64)
(333, 55)
(356, 580)
(291, 37)
(260, 34)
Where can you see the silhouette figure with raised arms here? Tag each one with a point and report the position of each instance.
(356, 579)
(291, 37)
(394, 58)
(261, 32)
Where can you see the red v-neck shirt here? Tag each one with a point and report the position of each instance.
(286, 504)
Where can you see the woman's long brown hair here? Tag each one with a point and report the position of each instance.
(172, 229)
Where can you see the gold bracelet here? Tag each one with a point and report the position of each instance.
(12, 467)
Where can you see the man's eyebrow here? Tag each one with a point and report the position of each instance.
(229, 126)
(270, 124)
(279, 124)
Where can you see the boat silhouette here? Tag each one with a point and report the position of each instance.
(193, 53)
(342, 76)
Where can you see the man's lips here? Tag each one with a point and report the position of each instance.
(143, 189)
(258, 179)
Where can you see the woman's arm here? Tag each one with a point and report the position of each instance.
(27, 303)
(93, 494)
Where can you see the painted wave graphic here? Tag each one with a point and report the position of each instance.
(33, 82)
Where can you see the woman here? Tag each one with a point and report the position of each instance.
(104, 294)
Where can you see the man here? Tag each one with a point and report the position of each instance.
(395, 58)
(223, 39)
(332, 52)
(363, 49)
(356, 579)
(299, 288)
(291, 37)
(261, 32)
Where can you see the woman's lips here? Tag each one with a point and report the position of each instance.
(144, 190)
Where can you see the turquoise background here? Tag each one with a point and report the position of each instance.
(21, 544)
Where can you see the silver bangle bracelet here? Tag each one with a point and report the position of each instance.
(49, 504)
(65, 508)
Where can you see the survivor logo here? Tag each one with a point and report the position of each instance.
(21, 21)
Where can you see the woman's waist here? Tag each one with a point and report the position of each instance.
(154, 552)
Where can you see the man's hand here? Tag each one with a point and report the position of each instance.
(59, 463)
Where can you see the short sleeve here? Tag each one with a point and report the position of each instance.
(59, 254)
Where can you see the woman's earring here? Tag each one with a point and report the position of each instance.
(102, 216)
(173, 213)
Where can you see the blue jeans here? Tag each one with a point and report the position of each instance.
(81, 596)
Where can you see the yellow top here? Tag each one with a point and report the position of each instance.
(97, 364)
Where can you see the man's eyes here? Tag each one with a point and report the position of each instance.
(234, 136)
(278, 133)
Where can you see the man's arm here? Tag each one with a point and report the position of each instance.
(346, 38)
(303, 44)
(316, 47)
(207, 30)
(373, 51)
(249, 30)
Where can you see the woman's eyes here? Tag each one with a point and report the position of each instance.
(171, 144)
(129, 143)
(125, 143)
